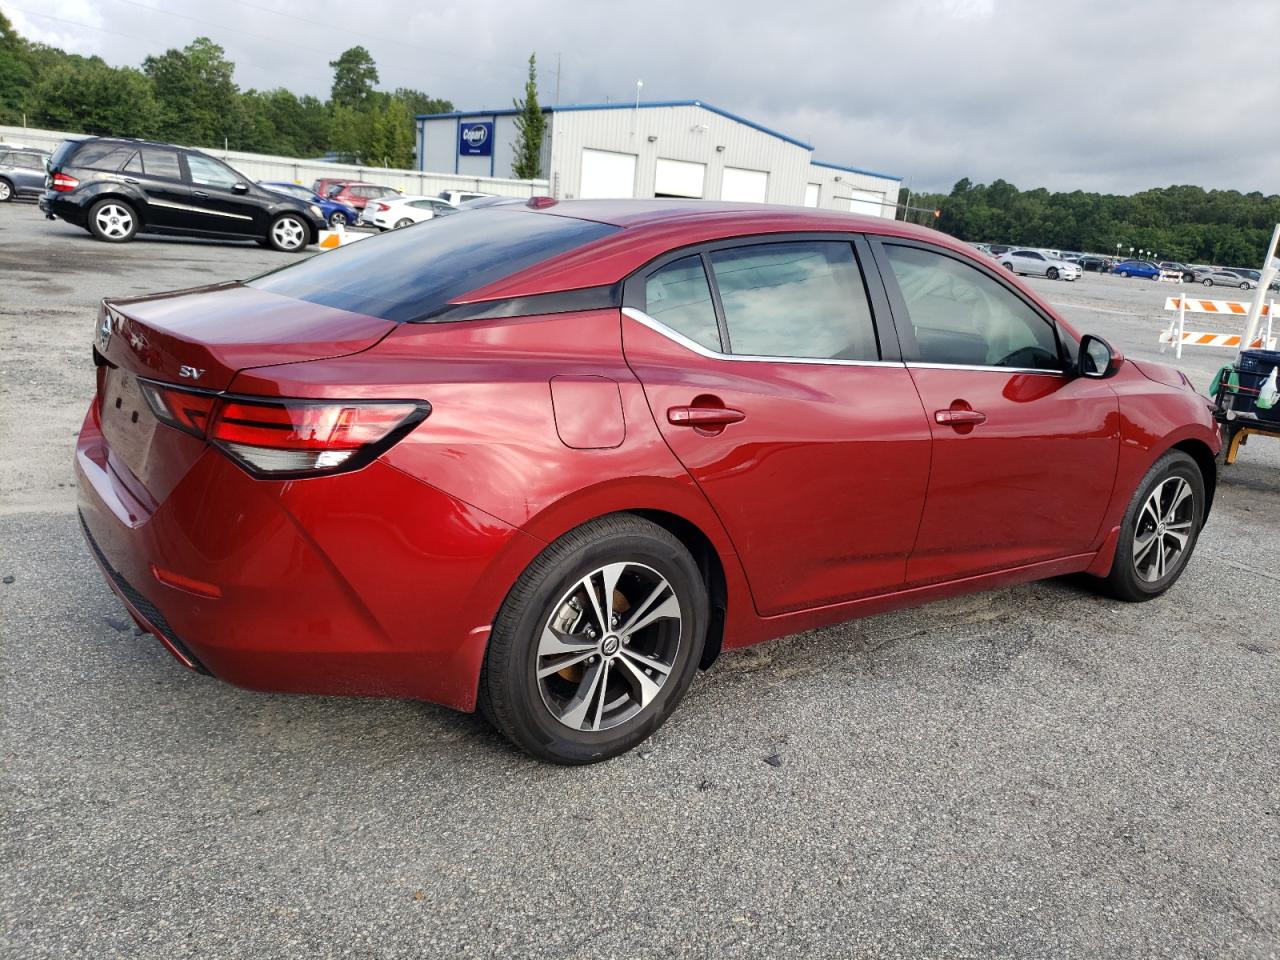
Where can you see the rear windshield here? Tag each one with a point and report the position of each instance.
(409, 274)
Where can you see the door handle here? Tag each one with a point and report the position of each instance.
(960, 418)
(130, 180)
(199, 194)
(704, 416)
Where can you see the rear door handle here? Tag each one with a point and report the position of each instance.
(704, 416)
(199, 194)
(130, 180)
(959, 418)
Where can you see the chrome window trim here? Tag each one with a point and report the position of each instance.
(913, 365)
(183, 206)
(657, 326)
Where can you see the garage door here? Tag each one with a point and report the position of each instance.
(867, 203)
(679, 178)
(606, 175)
(744, 186)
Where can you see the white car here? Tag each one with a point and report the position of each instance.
(457, 197)
(1039, 264)
(391, 213)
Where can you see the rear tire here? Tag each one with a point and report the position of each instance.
(113, 221)
(288, 233)
(615, 686)
(1159, 530)
(406, 222)
(6, 190)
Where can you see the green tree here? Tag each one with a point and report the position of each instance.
(197, 93)
(354, 76)
(418, 102)
(531, 125)
(91, 97)
(15, 72)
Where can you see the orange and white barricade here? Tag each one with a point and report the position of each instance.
(1178, 334)
(332, 239)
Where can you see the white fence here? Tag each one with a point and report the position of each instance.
(260, 166)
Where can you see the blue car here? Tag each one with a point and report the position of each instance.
(1137, 268)
(336, 214)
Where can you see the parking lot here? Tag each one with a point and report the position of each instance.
(1033, 772)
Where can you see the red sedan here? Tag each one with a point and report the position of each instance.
(551, 459)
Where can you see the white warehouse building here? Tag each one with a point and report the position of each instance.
(679, 148)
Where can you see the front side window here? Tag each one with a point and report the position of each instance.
(679, 295)
(959, 315)
(207, 172)
(802, 299)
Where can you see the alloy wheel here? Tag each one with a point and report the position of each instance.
(288, 233)
(338, 219)
(114, 220)
(1163, 530)
(6, 191)
(608, 646)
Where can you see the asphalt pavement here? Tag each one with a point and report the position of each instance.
(1033, 772)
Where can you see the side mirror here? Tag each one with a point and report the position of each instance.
(239, 188)
(1098, 359)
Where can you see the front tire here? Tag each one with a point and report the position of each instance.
(1052, 273)
(1207, 282)
(1125, 274)
(288, 233)
(337, 219)
(596, 643)
(113, 221)
(6, 190)
(1159, 531)
(1244, 286)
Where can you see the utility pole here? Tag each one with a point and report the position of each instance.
(556, 101)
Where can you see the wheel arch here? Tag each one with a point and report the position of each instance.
(1200, 452)
(139, 207)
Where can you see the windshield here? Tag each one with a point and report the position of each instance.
(407, 275)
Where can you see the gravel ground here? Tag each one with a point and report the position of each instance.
(1033, 772)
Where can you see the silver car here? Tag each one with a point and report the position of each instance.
(1039, 264)
(1224, 278)
(22, 172)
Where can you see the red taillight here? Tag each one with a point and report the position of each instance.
(384, 207)
(288, 438)
(63, 183)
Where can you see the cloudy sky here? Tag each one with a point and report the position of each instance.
(1075, 94)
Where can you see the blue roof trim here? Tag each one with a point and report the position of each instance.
(868, 173)
(644, 104)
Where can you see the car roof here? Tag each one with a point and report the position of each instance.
(652, 228)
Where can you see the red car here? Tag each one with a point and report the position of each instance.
(352, 193)
(553, 458)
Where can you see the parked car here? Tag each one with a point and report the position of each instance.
(1094, 264)
(1143, 269)
(1172, 266)
(22, 172)
(456, 197)
(1038, 264)
(117, 188)
(335, 214)
(1254, 275)
(392, 213)
(998, 250)
(358, 195)
(1222, 277)
(480, 203)
(518, 460)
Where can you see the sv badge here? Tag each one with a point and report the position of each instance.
(191, 373)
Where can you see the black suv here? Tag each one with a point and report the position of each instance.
(115, 188)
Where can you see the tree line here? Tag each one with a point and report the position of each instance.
(1183, 223)
(190, 97)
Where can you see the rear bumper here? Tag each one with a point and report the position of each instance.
(370, 583)
(64, 206)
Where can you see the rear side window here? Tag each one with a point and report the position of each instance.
(161, 163)
(961, 316)
(801, 299)
(678, 295)
(103, 156)
(407, 275)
